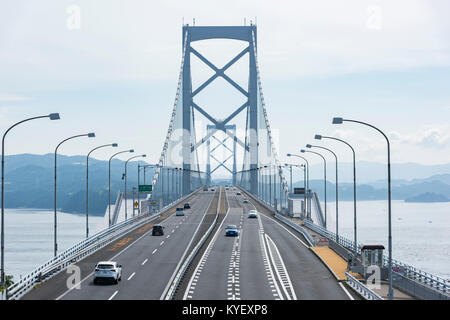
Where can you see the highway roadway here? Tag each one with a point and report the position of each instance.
(148, 261)
(267, 261)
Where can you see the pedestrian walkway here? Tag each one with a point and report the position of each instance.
(334, 262)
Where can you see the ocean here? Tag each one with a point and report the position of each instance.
(420, 233)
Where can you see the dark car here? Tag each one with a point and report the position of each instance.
(231, 230)
(157, 230)
(187, 205)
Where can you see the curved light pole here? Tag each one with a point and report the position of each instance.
(126, 163)
(337, 187)
(324, 180)
(320, 137)
(87, 183)
(51, 116)
(89, 135)
(307, 208)
(109, 182)
(340, 121)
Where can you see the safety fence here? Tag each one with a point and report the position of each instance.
(403, 269)
(361, 288)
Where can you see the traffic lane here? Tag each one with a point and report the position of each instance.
(57, 285)
(134, 256)
(152, 277)
(254, 279)
(212, 282)
(310, 278)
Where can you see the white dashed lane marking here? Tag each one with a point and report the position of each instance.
(113, 295)
(132, 275)
(145, 261)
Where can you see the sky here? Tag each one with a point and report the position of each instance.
(111, 67)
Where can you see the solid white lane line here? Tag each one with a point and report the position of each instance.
(132, 275)
(346, 291)
(145, 261)
(113, 295)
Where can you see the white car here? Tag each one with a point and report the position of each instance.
(108, 270)
(252, 214)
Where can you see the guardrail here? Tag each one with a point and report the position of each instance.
(298, 228)
(362, 289)
(80, 251)
(346, 243)
(319, 209)
(408, 271)
(190, 258)
(117, 206)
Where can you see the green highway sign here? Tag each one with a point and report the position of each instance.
(145, 188)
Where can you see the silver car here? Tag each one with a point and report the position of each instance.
(108, 270)
(252, 214)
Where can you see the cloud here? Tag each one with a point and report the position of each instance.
(430, 137)
(12, 97)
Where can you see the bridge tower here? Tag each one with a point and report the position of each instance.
(242, 33)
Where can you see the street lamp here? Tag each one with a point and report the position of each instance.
(307, 208)
(87, 183)
(324, 180)
(126, 163)
(340, 121)
(109, 182)
(337, 187)
(89, 135)
(51, 116)
(320, 137)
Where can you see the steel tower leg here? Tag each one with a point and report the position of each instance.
(253, 114)
(187, 102)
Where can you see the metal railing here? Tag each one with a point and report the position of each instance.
(319, 209)
(362, 289)
(80, 251)
(298, 228)
(404, 269)
(117, 206)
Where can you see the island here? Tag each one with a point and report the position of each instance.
(428, 197)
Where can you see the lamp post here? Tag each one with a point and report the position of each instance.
(340, 121)
(87, 183)
(89, 135)
(320, 137)
(51, 116)
(337, 187)
(307, 208)
(109, 182)
(126, 164)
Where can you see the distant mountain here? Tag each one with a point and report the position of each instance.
(29, 182)
(371, 192)
(428, 197)
(369, 172)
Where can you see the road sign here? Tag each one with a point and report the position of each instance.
(145, 188)
(152, 202)
(136, 204)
